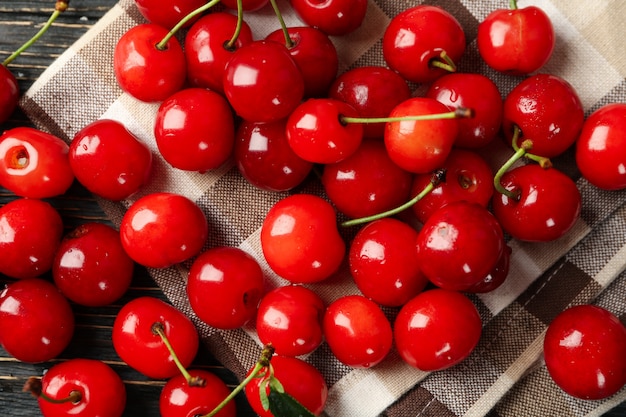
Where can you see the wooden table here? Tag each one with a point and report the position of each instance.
(19, 20)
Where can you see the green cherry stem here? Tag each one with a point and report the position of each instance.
(513, 4)
(33, 385)
(497, 179)
(158, 329)
(288, 41)
(230, 45)
(460, 112)
(444, 62)
(436, 178)
(163, 44)
(59, 7)
(541, 160)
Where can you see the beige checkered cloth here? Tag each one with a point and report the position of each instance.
(505, 375)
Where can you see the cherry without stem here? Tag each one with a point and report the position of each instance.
(333, 17)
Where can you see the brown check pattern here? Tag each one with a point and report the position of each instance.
(504, 376)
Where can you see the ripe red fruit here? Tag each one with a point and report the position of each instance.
(300, 240)
(109, 160)
(170, 13)
(37, 321)
(224, 286)
(30, 234)
(34, 163)
(9, 93)
(247, 5)
(333, 17)
(91, 267)
(584, 352)
(437, 329)
(137, 344)
(162, 229)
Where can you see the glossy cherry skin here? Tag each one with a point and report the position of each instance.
(102, 391)
(30, 234)
(420, 146)
(417, 36)
(357, 331)
(314, 54)
(224, 286)
(300, 379)
(9, 93)
(496, 277)
(548, 206)
(476, 92)
(40, 318)
(468, 177)
(333, 17)
(144, 71)
(584, 352)
(137, 344)
(383, 264)
(300, 240)
(262, 82)
(109, 160)
(34, 163)
(316, 133)
(265, 159)
(180, 399)
(170, 13)
(290, 318)
(373, 91)
(91, 267)
(437, 329)
(517, 41)
(368, 182)
(459, 245)
(600, 148)
(195, 130)
(548, 112)
(247, 5)
(162, 229)
(207, 51)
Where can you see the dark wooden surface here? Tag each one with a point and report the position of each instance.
(19, 20)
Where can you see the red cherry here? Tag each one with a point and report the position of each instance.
(316, 133)
(262, 82)
(373, 91)
(40, 319)
(437, 329)
(601, 148)
(357, 331)
(195, 130)
(109, 160)
(314, 54)
(207, 48)
(34, 163)
(367, 182)
(265, 159)
(459, 245)
(180, 399)
(170, 13)
(516, 41)
(145, 71)
(247, 5)
(290, 318)
(300, 240)
(476, 92)
(420, 146)
(468, 177)
(497, 276)
(547, 110)
(30, 234)
(9, 93)
(224, 286)
(584, 352)
(544, 205)
(416, 38)
(91, 267)
(137, 343)
(99, 390)
(162, 229)
(333, 17)
(383, 264)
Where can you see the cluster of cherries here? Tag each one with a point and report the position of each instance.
(411, 171)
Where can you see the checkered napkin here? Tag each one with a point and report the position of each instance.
(505, 375)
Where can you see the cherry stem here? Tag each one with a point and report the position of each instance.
(436, 178)
(460, 112)
(541, 160)
(288, 41)
(230, 45)
(262, 363)
(157, 328)
(497, 179)
(444, 62)
(59, 7)
(163, 44)
(513, 4)
(33, 385)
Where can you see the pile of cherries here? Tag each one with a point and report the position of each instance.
(409, 175)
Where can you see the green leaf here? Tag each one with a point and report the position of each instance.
(284, 405)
